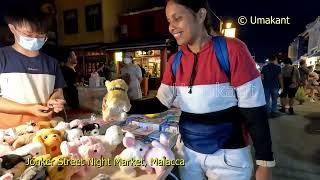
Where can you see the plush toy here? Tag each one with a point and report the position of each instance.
(4, 147)
(7, 176)
(73, 135)
(35, 173)
(77, 123)
(92, 151)
(5, 138)
(34, 149)
(112, 138)
(91, 129)
(47, 124)
(70, 149)
(58, 172)
(117, 102)
(13, 164)
(51, 139)
(161, 151)
(101, 177)
(30, 127)
(135, 150)
(62, 126)
(23, 140)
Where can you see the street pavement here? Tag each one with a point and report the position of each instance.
(296, 143)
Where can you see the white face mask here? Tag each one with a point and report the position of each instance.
(32, 44)
(127, 60)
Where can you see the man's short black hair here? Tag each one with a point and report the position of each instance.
(272, 58)
(27, 12)
(287, 61)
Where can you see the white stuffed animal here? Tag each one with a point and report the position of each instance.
(135, 150)
(112, 138)
(62, 126)
(116, 101)
(33, 149)
(73, 134)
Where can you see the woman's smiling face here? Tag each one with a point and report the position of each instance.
(183, 23)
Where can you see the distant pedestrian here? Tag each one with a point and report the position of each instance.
(303, 72)
(291, 77)
(272, 82)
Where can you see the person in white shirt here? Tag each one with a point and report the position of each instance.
(132, 73)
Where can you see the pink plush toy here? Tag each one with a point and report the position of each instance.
(73, 135)
(87, 152)
(7, 176)
(77, 123)
(4, 148)
(70, 149)
(135, 150)
(160, 151)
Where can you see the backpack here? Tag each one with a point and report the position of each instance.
(221, 50)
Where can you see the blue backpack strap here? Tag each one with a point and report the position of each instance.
(221, 49)
(176, 63)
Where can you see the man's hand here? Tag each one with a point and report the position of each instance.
(263, 173)
(56, 104)
(39, 110)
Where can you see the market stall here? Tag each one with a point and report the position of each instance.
(145, 128)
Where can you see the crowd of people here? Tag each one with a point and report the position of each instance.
(285, 80)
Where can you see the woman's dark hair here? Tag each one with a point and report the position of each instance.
(27, 12)
(302, 62)
(195, 6)
(66, 54)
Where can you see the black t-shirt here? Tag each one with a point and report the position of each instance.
(69, 76)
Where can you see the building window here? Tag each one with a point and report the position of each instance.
(70, 18)
(93, 17)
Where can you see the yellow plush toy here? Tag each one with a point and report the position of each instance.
(51, 139)
(58, 171)
(117, 102)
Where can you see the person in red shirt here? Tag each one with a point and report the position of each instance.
(216, 110)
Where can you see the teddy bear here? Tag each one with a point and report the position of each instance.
(23, 140)
(58, 172)
(116, 101)
(35, 173)
(34, 149)
(73, 134)
(51, 139)
(135, 150)
(13, 164)
(161, 151)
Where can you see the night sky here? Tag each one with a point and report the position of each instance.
(262, 40)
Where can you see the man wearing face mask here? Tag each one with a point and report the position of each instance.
(31, 82)
(70, 76)
(133, 74)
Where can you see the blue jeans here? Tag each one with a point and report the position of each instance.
(273, 93)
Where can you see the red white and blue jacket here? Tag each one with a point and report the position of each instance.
(218, 112)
